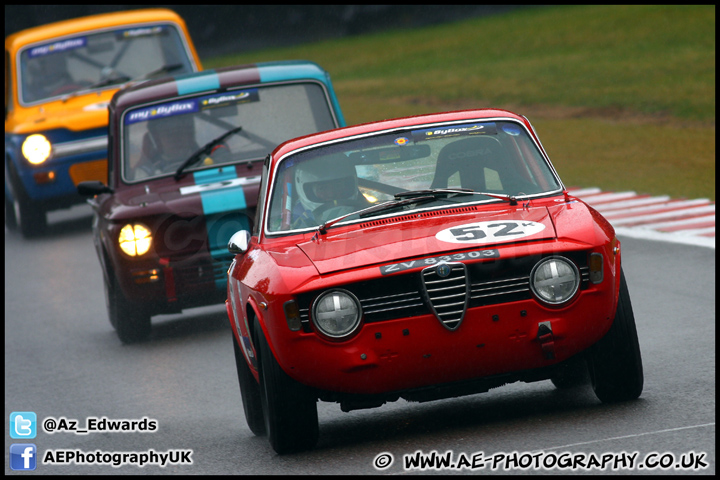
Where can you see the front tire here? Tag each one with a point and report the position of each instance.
(30, 218)
(250, 393)
(131, 322)
(10, 220)
(289, 408)
(615, 363)
(22, 213)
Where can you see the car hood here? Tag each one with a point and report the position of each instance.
(426, 235)
(83, 112)
(206, 192)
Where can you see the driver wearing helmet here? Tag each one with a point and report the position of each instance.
(327, 188)
(168, 143)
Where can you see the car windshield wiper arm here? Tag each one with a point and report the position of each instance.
(389, 205)
(458, 191)
(409, 198)
(102, 83)
(158, 71)
(204, 150)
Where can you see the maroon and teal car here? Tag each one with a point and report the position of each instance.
(186, 155)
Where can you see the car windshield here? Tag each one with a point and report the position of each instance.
(87, 61)
(235, 126)
(401, 171)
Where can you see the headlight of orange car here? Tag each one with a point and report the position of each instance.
(135, 239)
(36, 148)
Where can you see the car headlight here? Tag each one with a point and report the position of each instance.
(36, 148)
(555, 280)
(336, 313)
(135, 239)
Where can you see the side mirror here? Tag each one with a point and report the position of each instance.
(239, 242)
(92, 188)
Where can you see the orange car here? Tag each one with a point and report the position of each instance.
(59, 79)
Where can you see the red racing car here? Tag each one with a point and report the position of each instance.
(185, 158)
(421, 258)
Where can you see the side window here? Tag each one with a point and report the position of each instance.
(261, 198)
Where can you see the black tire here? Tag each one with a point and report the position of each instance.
(30, 218)
(289, 408)
(10, 220)
(27, 216)
(250, 393)
(131, 322)
(615, 363)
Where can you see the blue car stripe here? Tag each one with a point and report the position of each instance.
(270, 72)
(223, 214)
(215, 201)
(195, 84)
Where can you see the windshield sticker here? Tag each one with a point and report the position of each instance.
(453, 257)
(401, 141)
(226, 99)
(490, 232)
(56, 47)
(471, 129)
(161, 111)
(511, 129)
(140, 32)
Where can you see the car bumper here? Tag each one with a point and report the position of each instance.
(165, 285)
(59, 178)
(417, 352)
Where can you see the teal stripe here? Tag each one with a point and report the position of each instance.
(271, 72)
(225, 214)
(221, 200)
(274, 73)
(195, 84)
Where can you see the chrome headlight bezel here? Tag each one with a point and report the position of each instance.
(570, 275)
(322, 317)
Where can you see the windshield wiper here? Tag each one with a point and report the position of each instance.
(204, 150)
(411, 197)
(373, 209)
(158, 71)
(102, 83)
(436, 192)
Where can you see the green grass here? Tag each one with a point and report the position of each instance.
(623, 97)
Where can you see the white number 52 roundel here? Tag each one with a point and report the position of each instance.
(487, 232)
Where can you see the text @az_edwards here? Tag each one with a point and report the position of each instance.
(99, 424)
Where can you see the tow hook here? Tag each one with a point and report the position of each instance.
(546, 339)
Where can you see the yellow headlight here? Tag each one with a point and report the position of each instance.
(135, 239)
(36, 148)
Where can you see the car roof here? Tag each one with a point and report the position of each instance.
(216, 79)
(93, 22)
(389, 124)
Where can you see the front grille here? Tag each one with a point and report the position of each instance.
(447, 292)
(390, 303)
(469, 285)
(494, 288)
